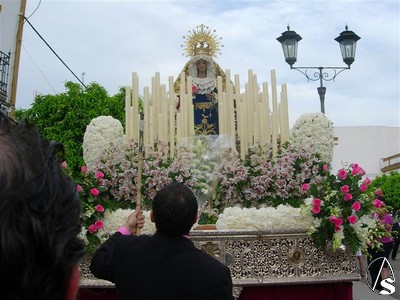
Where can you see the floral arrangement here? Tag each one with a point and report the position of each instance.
(263, 218)
(344, 211)
(314, 130)
(262, 179)
(259, 192)
(100, 132)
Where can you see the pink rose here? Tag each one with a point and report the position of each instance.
(98, 224)
(348, 197)
(338, 228)
(335, 220)
(378, 192)
(79, 188)
(356, 206)
(367, 181)
(338, 222)
(342, 174)
(325, 168)
(64, 165)
(332, 218)
(363, 188)
(316, 209)
(355, 168)
(305, 187)
(345, 189)
(99, 208)
(377, 203)
(99, 175)
(352, 219)
(92, 228)
(317, 202)
(94, 192)
(83, 169)
(194, 89)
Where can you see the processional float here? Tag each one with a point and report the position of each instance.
(276, 261)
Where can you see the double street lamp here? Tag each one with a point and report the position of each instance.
(347, 40)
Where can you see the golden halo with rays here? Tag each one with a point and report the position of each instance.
(202, 40)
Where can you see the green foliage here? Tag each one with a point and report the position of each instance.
(64, 117)
(390, 187)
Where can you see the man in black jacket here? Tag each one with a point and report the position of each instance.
(166, 265)
(396, 235)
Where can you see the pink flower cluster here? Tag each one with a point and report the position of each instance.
(316, 206)
(94, 192)
(95, 226)
(337, 222)
(339, 202)
(264, 180)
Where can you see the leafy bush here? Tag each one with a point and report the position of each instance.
(390, 187)
(64, 117)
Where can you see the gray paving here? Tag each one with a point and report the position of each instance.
(361, 290)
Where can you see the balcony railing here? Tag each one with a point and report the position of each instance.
(4, 71)
(390, 163)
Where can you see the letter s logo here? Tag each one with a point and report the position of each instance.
(386, 283)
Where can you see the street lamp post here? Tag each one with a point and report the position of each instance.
(347, 40)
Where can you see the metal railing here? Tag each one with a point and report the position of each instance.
(390, 163)
(4, 72)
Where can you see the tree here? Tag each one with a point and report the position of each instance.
(64, 117)
(390, 187)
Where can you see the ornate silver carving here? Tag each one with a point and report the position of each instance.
(265, 257)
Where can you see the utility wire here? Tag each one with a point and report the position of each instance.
(54, 52)
(37, 7)
(37, 67)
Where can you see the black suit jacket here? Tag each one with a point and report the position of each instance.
(160, 267)
(396, 227)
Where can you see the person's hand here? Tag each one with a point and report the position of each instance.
(135, 220)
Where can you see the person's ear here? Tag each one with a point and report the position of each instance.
(73, 283)
(196, 218)
(152, 216)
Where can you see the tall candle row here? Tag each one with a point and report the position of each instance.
(245, 116)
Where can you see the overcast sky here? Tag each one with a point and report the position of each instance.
(108, 40)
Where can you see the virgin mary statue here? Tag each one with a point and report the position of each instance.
(201, 45)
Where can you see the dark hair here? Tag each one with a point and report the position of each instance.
(39, 216)
(174, 209)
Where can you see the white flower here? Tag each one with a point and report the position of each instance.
(102, 132)
(316, 131)
(280, 218)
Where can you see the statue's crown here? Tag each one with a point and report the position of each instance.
(201, 40)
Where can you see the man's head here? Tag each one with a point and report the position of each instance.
(174, 209)
(39, 216)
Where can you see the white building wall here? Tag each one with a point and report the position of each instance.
(365, 145)
(9, 16)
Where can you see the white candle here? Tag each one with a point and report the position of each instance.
(146, 132)
(171, 131)
(274, 93)
(135, 104)
(127, 110)
(178, 128)
(274, 133)
(151, 126)
(222, 115)
(219, 84)
(171, 90)
(242, 131)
